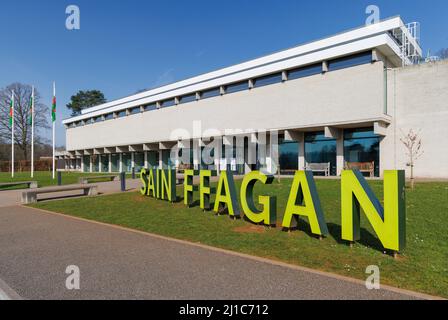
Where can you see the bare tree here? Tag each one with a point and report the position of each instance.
(22, 114)
(413, 144)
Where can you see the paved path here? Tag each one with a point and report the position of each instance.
(12, 197)
(115, 263)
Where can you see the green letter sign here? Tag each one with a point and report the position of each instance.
(389, 223)
(304, 201)
(269, 213)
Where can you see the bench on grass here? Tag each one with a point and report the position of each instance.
(319, 167)
(30, 196)
(87, 179)
(30, 184)
(368, 167)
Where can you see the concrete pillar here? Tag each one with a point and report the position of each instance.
(90, 164)
(110, 163)
(146, 159)
(132, 160)
(272, 153)
(82, 164)
(339, 154)
(100, 164)
(301, 146)
(160, 159)
(120, 162)
(218, 152)
(196, 154)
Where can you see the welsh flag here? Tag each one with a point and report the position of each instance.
(30, 119)
(11, 112)
(53, 109)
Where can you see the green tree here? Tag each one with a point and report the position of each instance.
(85, 99)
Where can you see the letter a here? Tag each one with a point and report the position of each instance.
(304, 201)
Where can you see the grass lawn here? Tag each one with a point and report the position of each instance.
(43, 178)
(423, 266)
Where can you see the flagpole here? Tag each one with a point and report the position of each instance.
(54, 129)
(12, 134)
(32, 132)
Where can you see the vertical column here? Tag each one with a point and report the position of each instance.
(90, 164)
(218, 151)
(160, 159)
(273, 152)
(146, 159)
(120, 162)
(196, 154)
(110, 163)
(100, 164)
(340, 153)
(82, 163)
(132, 160)
(301, 146)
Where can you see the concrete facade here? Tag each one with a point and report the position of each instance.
(418, 100)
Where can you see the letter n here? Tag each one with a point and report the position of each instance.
(389, 223)
(168, 185)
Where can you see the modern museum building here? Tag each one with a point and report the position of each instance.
(345, 101)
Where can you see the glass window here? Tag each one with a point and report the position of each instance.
(269, 79)
(305, 71)
(188, 98)
(135, 110)
(127, 164)
(288, 156)
(350, 61)
(105, 163)
(109, 116)
(210, 93)
(168, 103)
(115, 159)
(238, 86)
(139, 161)
(80, 123)
(121, 114)
(98, 119)
(319, 149)
(150, 107)
(362, 145)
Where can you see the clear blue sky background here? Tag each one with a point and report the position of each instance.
(124, 46)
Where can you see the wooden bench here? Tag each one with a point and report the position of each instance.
(30, 196)
(319, 167)
(368, 167)
(86, 179)
(30, 184)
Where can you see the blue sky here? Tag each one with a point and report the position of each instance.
(124, 46)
